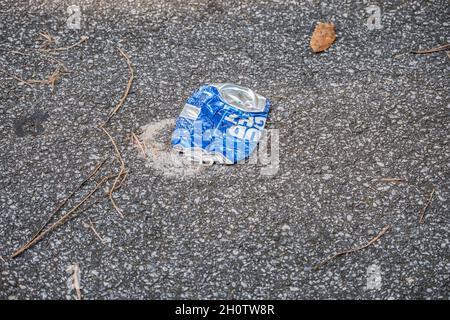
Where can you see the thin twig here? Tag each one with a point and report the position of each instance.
(122, 169)
(43, 54)
(62, 204)
(372, 188)
(432, 50)
(424, 209)
(138, 142)
(1, 258)
(127, 89)
(17, 78)
(56, 75)
(51, 79)
(399, 55)
(92, 227)
(82, 39)
(124, 175)
(393, 179)
(347, 251)
(59, 62)
(47, 40)
(59, 222)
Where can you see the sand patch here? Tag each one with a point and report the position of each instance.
(156, 140)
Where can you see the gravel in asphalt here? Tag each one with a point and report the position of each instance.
(363, 110)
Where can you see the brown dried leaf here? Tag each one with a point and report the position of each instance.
(322, 37)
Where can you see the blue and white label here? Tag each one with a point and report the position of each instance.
(221, 122)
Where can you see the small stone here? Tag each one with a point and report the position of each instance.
(409, 280)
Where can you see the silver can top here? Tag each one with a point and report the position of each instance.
(241, 98)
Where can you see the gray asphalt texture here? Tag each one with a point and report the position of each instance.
(363, 110)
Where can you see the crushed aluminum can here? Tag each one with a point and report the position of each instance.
(221, 123)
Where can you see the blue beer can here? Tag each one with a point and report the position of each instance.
(221, 123)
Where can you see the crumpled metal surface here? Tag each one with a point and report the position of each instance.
(221, 123)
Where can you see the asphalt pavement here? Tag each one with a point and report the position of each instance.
(350, 120)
